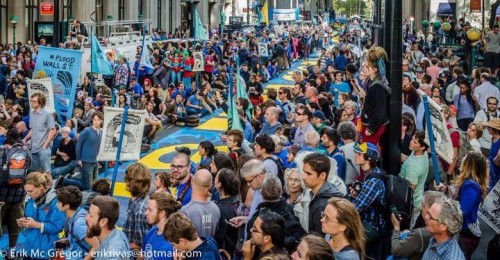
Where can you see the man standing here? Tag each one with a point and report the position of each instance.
(485, 90)
(271, 115)
(101, 222)
(302, 116)
(160, 206)
(137, 182)
(180, 231)
(443, 220)
(267, 236)
(298, 93)
(415, 170)
(202, 211)
(493, 127)
(315, 175)
(43, 130)
(87, 148)
(330, 140)
(493, 51)
(337, 87)
(263, 149)
(182, 177)
(484, 116)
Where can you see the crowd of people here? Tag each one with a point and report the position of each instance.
(301, 179)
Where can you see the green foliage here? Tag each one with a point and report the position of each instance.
(351, 7)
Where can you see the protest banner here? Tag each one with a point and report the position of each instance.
(199, 62)
(263, 51)
(43, 86)
(490, 210)
(132, 134)
(62, 66)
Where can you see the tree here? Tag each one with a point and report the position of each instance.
(350, 7)
(493, 13)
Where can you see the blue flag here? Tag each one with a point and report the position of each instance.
(145, 61)
(233, 119)
(98, 61)
(199, 32)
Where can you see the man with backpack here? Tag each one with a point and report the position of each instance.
(12, 195)
(370, 198)
(262, 150)
(69, 199)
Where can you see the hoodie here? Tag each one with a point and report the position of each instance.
(318, 204)
(206, 250)
(40, 241)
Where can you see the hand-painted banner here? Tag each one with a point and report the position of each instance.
(43, 86)
(490, 210)
(263, 51)
(132, 136)
(199, 63)
(62, 66)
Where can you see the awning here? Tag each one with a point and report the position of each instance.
(446, 9)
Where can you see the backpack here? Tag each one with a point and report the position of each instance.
(464, 145)
(399, 198)
(15, 164)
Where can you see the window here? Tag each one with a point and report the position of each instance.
(31, 15)
(4, 21)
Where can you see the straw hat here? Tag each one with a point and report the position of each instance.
(493, 123)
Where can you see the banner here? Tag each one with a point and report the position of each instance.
(199, 62)
(43, 86)
(263, 51)
(442, 140)
(132, 136)
(98, 63)
(475, 5)
(285, 14)
(63, 67)
(264, 14)
(145, 60)
(199, 31)
(490, 210)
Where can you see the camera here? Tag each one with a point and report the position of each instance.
(61, 244)
(356, 186)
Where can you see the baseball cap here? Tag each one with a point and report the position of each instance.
(183, 149)
(319, 114)
(367, 148)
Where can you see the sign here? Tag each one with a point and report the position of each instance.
(475, 5)
(442, 140)
(199, 62)
(285, 14)
(132, 135)
(63, 67)
(490, 210)
(263, 51)
(43, 86)
(46, 8)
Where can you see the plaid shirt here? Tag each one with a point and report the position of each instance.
(372, 193)
(9, 194)
(135, 226)
(446, 250)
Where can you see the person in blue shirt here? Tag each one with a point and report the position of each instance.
(179, 90)
(194, 105)
(160, 206)
(68, 201)
(137, 90)
(340, 61)
(337, 87)
(180, 231)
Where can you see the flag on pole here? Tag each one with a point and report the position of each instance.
(259, 16)
(265, 14)
(98, 61)
(233, 119)
(145, 61)
(240, 92)
(199, 32)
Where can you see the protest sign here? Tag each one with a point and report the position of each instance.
(43, 86)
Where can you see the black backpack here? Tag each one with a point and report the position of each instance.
(399, 198)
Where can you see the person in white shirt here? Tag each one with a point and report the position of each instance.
(483, 116)
(485, 90)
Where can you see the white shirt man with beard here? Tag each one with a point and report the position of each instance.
(181, 176)
(483, 116)
(101, 222)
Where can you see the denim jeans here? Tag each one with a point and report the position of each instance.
(61, 170)
(187, 82)
(194, 111)
(88, 171)
(41, 160)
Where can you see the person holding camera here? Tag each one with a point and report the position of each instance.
(369, 197)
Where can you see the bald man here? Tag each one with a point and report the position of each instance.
(203, 212)
(22, 129)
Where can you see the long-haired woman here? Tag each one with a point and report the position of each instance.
(313, 247)
(342, 222)
(465, 105)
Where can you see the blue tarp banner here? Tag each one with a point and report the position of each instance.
(63, 67)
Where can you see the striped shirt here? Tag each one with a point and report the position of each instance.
(444, 251)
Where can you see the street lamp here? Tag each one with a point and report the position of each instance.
(13, 21)
(436, 25)
(425, 24)
(446, 28)
(473, 35)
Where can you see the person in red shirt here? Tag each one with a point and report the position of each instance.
(209, 64)
(187, 68)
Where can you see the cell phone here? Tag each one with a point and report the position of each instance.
(395, 212)
(228, 222)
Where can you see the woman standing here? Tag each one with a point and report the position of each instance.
(294, 186)
(42, 221)
(342, 222)
(375, 107)
(465, 104)
(207, 152)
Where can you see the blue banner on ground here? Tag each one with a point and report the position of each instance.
(62, 66)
